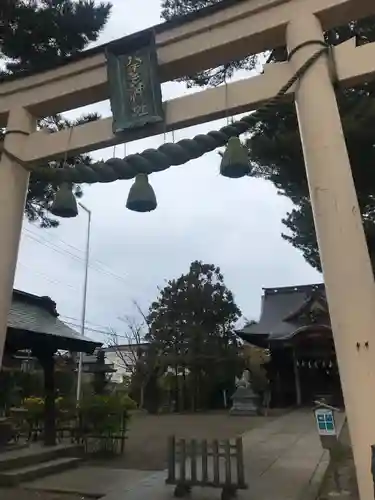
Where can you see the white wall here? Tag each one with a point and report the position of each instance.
(119, 362)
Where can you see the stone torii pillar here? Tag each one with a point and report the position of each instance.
(14, 181)
(343, 251)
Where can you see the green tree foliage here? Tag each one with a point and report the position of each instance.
(36, 35)
(104, 414)
(191, 327)
(275, 149)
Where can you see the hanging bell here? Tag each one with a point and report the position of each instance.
(141, 196)
(65, 203)
(235, 162)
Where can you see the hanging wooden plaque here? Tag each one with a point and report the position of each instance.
(135, 92)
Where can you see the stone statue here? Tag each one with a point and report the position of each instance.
(245, 400)
(244, 381)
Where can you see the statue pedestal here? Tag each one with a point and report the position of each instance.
(245, 402)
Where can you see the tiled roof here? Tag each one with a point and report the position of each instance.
(278, 304)
(30, 314)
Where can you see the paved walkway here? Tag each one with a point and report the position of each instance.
(283, 460)
(87, 481)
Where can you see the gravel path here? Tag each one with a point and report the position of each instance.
(146, 445)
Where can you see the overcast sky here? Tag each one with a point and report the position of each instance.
(235, 224)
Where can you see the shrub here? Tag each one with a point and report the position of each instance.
(34, 406)
(105, 413)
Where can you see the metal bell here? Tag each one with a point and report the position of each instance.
(141, 196)
(65, 203)
(235, 162)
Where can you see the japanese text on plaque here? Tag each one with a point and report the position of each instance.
(136, 86)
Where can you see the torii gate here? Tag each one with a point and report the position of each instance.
(232, 30)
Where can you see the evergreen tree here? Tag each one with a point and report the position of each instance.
(36, 35)
(191, 327)
(274, 145)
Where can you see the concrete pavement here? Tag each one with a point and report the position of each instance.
(285, 458)
(87, 481)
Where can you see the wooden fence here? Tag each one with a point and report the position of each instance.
(218, 464)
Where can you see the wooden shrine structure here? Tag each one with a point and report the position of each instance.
(295, 326)
(34, 326)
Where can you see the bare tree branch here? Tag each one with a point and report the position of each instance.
(129, 349)
(142, 313)
(127, 353)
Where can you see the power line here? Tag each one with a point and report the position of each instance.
(52, 246)
(62, 317)
(57, 281)
(96, 330)
(45, 276)
(63, 251)
(71, 318)
(93, 262)
(97, 261)
(77, 321)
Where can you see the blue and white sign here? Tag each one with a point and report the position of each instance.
(325, 422)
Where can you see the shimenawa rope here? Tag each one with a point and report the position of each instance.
(169, 154)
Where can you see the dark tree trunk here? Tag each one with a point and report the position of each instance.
(152, 393)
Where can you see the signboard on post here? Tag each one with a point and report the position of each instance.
(326, 426)
(135, 92)
(325, 422)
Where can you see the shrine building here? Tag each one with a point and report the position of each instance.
(294, 326)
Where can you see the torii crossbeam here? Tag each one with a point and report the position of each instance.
(228, 31)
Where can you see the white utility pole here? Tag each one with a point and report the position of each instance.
(84, 299)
